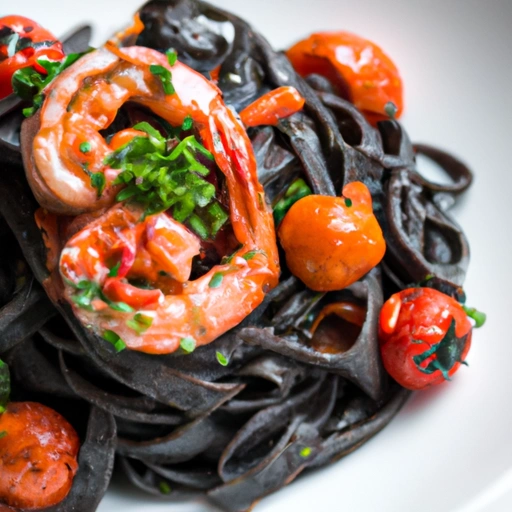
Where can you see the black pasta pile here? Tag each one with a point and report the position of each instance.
(181, 426)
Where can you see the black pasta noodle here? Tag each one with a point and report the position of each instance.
(183, 426)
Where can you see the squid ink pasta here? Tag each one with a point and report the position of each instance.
(170, 296)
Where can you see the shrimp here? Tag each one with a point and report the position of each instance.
(100, 263)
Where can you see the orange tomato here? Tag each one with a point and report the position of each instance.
(363, 73)
(331, 242)
(38, 456)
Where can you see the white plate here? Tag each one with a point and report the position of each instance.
(449, 450)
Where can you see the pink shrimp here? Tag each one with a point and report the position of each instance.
(119, 246)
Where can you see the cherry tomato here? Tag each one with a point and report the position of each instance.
(360, 70)
(22, 43)
(331, 242)
(277, 104)
(38, 456)
(424, 336)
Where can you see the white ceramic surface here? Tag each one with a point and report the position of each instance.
(449, 449)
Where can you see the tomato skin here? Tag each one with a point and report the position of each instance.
(360, 70)
(270, 108)
(411, 323)
(38, 456)
(27, 29)
(330, 245)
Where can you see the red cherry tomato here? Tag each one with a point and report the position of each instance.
(22, 43)
(424, 336)
(38, 456)
(362, 72)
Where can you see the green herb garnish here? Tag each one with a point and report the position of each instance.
(222, 359)
(248, 256)
(140, 323)
(161, 179)
(115, 340)
(297, 190)
(98, 182)
(187, 124)
(88, 291)
(305, 452)
(188, 345)
(348, 202)
(3, 434)
(164, 488)
(165, 76)
(216, 280)
(85, 147)
(172, 56)
(5, 386)
(29, 84)
(114, 271)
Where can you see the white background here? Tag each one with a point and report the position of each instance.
(449, 450)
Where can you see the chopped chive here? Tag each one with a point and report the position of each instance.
(222, 359)
(305, 452)
(85, 147)
(187, 123)
(2, 409)
(165, 76)
(479, 317)
(172, 56)
(164, 488)
(114, 271)
(216, 280)
(348, 202)
(248, 256)
(120, 306)
(114, 339)
(145, 320)
(188, 345)
(98, 182)
(3, 434)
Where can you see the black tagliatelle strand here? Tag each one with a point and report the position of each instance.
(185, 426)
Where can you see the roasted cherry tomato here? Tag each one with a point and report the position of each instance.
(22, 43)
(424, 335)
(331, 242)
(277, 104)
(360, 70)
(38, 456)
